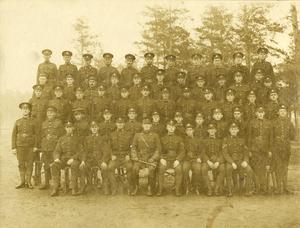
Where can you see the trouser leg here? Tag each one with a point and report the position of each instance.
(178, 179)
(111, 175)
(196, 175)
(74, 175)
(220, 177)
(161, 177)
(229, 180)
(206, 180)
(186, 167)
(55, 170)
(21, 152)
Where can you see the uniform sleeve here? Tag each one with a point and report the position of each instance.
(14, 136)
(157, 151)
(181, 150)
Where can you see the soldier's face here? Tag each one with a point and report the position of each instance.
(170, 63)
(160, 77)
(258, 76)
(67, 59)
(260, 114)
(92, 83)
(46, 57)
(114, 80)
(208, 96)
(136, 81)
(189, 132)
(217, 61)
(218, 116)
(88, 62)
(25, 111)
(178, 119)
(200, 83)
(147, 127)
(267, 84)
(132, 115)
(94, 129)
(42, 80)
(230, 97)
(51, 115)
(237, 115)
(199, 120)
(129, 62)
(124, 94)
(38, 93)
(58, 93)
(101, 93)
(107, 116)
(107, 61)
(78, 116)
(145, 93)
(233, 131)
(155, 118)
(282, 112)
(221, 82)
(238, 60)
(149, 61)
(171, 128)
(79, 95)
(262, 56)
(69, 130)
(252, 98)
(212, 131)
(180, 81)
(70, 81)
(238, 78)
(187, 94)
(274, 96)
(165, 96)
(120, 125)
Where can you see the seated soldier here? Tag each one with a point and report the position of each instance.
(120, 144)
(171, 157)
(146, 148)
(212, 160)
(192, 161)
(97, 153)
(68, 152)
(236, 155)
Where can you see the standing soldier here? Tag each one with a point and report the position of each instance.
(171, 69)
(86, 70)
(145, 104)
(48, 68)
(47, 88)
(113, 91)
(212, 160)
(69, 89)
(238, 66)
(283, 132)
(192, 161)
(91, 94)
(149, 70)
(106, 71)
(200, 128)
(120, 144)
(80, 101)
(157, 127)
(264, 91)
(101, 102)
(38, 112)
(259, 135)
(67, 68)
(81, 125)
(128, 72)
(52, 130)
(61, 104)
(198, 88)
(238, 118)
(240, 88)
(250, 106)
(132, 126)
(221, 124)
(172, 155)
(216, 68)
(196, 68)
(24, 144)
(68, 152)
(208, 104)
(159, 84)
(166, 106)
(122, 106)
(272, 105)
(187, 105)
(178, 86)
(97, 153)
(135, 90)
(107, 126)
(236, 155)
(179, 124)
(262, 64)
(146, 149)
(220, 88)
(229, 104)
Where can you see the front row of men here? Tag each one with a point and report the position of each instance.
(248, 162)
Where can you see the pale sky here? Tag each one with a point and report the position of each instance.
(29, 26)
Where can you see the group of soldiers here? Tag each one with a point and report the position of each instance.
(215, 127)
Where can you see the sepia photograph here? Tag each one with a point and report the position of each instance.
(149, 114)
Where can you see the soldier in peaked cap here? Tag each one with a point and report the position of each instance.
(86, 70)
(172, 155)
(261, 63)
(132, 126)
(220, 87)
(146, 147)
(187, 105)
(240, 87)
(145, 104)
(48, 67)
(149, 70)
(107, 126)
(67, 68)
(166, 106)
(106, 71)
(228, 104)
(272, 105)
(24, 144)
(250, 106)
(159, 83)
(127, 73)
(171, 69)
(238, 65)
(101, 102)
(61, 104)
